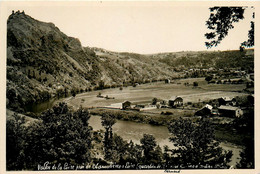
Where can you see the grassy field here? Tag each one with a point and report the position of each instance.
(146, 92)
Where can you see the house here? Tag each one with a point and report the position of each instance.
(224, 101)
(251, 76)
(143, 107)
(204, 111)
(230, 111)
(234, 101)
(167, 81)
(126, 105)
(175, 102)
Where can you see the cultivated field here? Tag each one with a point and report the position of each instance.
(146, 92)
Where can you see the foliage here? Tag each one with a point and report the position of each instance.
(221, 21)
(15, 132)
(206, 60)
(124, 152)
(60, 136)
(247, 156)
(154, 101)
(208, 78)
(152, 153)
(107, 122)
(195, 145)
(245, 126)
(195, 84)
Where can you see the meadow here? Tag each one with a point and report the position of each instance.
(144, 93)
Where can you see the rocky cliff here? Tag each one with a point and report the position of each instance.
(43, 62)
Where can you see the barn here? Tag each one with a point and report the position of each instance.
(175, 102)
(204, 111)
(126, 105)
(230, 111)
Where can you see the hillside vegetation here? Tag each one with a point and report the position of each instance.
(208, 59)
(43, 62)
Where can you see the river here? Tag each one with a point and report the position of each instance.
(129, 130)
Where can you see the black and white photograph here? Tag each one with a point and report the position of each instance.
(98, 86)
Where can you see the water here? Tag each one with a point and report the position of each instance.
(40, 107)
(129, 130)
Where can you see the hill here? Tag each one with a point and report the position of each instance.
(43, 62)
(186, 60)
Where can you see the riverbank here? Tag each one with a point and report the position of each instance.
(146, 92)
(130, 130)
(223, 132)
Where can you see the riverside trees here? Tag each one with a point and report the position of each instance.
(63, 136)
(107, 122)
(59, 136)
(195, 145)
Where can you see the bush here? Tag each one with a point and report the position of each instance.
(61, 136)
(195, 84)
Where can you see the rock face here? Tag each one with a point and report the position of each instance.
(43, 62)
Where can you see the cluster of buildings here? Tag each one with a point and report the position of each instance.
(226, 107)
(171, 103)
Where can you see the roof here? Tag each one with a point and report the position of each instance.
(126, 101)
(174, 98)
(232, 108)
(208, 107)
(226, 98)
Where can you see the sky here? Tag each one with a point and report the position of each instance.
(142, 27)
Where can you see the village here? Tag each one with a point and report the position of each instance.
(221, 107)
(232, 106)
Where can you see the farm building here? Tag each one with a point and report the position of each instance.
(114, 106)
(167, 81)
(175, 102)
(148, 107)
(230, 111)
(144, 107)
(251, 76)
(204, 111)
(234, 101)
(126, 105)
(225, 101)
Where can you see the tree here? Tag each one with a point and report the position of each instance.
(195, 84)
(133, 154)
(15, 132)
(122, 151)
(221, 21)
(107, 122)
(195, 145)
(59, 136)
(101, 84)
(152, 152)
(154, 101)
(73, 92)
(208, 78)
(245, 126)
(247, 155)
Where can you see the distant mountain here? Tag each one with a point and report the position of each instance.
(43, 62)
